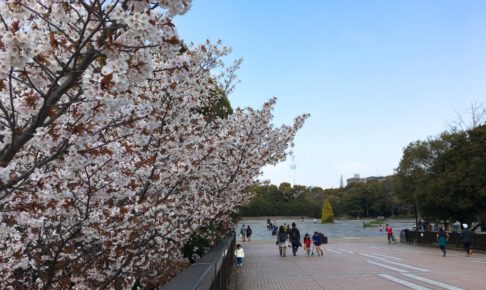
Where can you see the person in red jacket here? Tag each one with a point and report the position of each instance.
(307, 244)
(389, 233)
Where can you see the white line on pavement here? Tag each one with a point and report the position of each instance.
(403, 282)
(337, 252)
(432, 282)
(390, 257)
(480, 262)
(375, 257)
(407, 266)
(387, 266)
(396, 263)
(347, 251)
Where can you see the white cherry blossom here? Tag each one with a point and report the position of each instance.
(107, 163)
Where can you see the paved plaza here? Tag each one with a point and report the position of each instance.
(359, 263)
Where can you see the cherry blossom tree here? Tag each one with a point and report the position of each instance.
(108, 160)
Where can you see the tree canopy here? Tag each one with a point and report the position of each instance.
(446, 176)
(271, 201)
(327, 215)
(371, 199)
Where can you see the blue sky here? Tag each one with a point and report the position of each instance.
(374, 75)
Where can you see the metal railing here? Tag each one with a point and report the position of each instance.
(211, 272)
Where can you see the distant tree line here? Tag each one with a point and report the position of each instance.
(371, 199)
(271, 200)
(442, 178)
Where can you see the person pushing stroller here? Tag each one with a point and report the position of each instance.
(389, 233)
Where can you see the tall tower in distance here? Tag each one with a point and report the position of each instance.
(341, 182)
(293, 166)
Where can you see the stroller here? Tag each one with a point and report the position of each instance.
(274, 231)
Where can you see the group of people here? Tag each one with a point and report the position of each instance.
(466, 237)
(442, 238)
(245, 233)
(292, 236)
(286, 237)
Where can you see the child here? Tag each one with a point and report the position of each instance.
(240, 254)
(307, 244)
(316, 238)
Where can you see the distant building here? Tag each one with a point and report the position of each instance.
(357, 179)
(375, 178)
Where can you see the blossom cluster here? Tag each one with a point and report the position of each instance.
(108, 164)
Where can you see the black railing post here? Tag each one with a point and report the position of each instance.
(416, 221)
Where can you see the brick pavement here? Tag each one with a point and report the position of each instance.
(359, 264)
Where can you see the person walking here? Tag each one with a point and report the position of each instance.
(442, 238)
(282, 241)
(466, 237)
(248, 233)
(307, 244)
(294, 238)
(389, 233)
(316, 238)
(381, 228)
(240, 254)
(243, 233)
